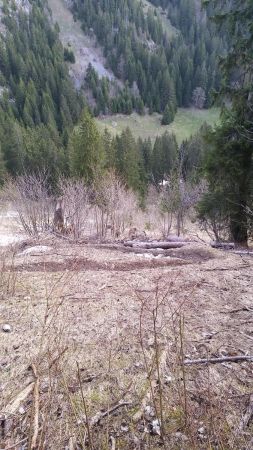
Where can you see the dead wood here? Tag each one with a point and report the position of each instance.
(101, 414)
(246, 335)
(223, 245)
(36, 409)
(234, 311)
(14, 446)
(238, 358)
(223, 269)
(248, 416)
(155, 244)
(13, 406)
(243, 252)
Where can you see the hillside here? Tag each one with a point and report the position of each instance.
(146, 47)
(84, 47)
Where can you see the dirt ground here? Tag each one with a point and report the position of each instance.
(96, 328)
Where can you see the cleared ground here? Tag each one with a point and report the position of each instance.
(100, 336)
(187, 122)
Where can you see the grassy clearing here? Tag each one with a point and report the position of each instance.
(187, 122)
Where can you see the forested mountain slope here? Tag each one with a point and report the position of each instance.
(162, 68)
(38, 103)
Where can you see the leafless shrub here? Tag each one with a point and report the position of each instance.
(115, 205)
(177, 198)
(31, 199)
(75, 196)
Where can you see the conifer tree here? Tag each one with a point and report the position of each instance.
(85, 149)
(229, 167)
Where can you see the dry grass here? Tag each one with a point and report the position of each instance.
(111, 342)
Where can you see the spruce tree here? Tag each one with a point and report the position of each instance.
(85, 149)
(229, 167)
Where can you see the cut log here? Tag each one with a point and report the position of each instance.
(223, 245)
(155, 244)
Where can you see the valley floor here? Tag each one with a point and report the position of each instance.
(187, 123)
(100, 335)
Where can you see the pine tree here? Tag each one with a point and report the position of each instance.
(169, 114)
(229, 167)
(85, 149)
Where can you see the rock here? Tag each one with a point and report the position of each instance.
(16, 346)
(201, 430)
(207, 335)
(124, 427)
(149, 411)
(37, 249)
(156, 429)
(6, 328)
(21, 410)
(168, 379)
(151, 342)
(180, 436)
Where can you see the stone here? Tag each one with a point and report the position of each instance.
(156, 429)
(6, 328)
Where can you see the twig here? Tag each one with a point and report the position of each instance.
(100, 415)
(246, 335)
(52, 363)
(233, 311)
(15, 445)
(248, 416)
(85, 407)
(113, 443)
(188, 362)
(36, 409)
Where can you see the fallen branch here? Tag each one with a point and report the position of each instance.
(248, 416)
(36, 409)
(13, 446)
(223, 269)
(223, 245)
(238, 358)
(13, 406)
(234, 311)
(101, 414)
(246, 335)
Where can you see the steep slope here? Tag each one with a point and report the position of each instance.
(83, 46)
(144, 51)
(38, 103)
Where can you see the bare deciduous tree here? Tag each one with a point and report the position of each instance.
(115, 205)
(75, 198)
(30, 197)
